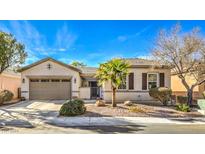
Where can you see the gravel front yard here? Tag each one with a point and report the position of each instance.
(144, 111)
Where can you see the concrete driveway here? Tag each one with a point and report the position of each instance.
(26, 113)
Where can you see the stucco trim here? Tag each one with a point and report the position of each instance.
(47, 59)
(11, 76)
(128, 91)
(150, 66)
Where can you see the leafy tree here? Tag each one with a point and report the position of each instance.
(185, 52)
(12, 53)
(114, 71)
(78, 64)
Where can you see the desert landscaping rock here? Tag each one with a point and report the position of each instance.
(100, 103)
(128, 103)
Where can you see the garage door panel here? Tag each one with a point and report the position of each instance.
(50, 90)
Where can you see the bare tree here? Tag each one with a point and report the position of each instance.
(185, 52)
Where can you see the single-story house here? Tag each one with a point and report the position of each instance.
(10, 80)
(52, 79)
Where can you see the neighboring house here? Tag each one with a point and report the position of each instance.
(51, 79)
(178, 88)
(9, 80)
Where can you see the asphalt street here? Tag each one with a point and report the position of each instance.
(135, 129)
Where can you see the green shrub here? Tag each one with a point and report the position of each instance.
(201, 103)
(182, 99)
(163, 94)
(183, 107)
(72, 108)
(5, 95)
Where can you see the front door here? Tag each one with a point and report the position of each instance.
(94, 90)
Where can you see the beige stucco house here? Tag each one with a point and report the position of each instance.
(51, 79)
(10, 80)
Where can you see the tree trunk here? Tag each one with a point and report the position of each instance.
(190, 96)
(113, 97)
(189, 91)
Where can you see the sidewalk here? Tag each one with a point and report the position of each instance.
(120, 121)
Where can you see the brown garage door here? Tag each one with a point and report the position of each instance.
(50, 89)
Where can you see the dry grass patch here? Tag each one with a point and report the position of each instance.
(137, 109)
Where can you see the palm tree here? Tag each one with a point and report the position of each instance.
(114, 71)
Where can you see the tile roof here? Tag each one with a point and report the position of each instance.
(139, 61)
(88, 70)
(11, 72)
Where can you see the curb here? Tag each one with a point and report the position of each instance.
(114, 121)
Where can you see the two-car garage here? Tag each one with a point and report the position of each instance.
(49, 79)
(50, 89)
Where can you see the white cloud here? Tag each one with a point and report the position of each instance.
(142, 31)
(62, 49)
(36, 43)
(28, 34)
(123, 38)
(31, 59)
(65, 60)
(64, 38)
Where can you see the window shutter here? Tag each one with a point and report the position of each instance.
(144, 81)
(131, 81)
(161, 79)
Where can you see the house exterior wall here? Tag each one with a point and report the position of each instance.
(178, 88)
(41, 70)
(56, 70)
(11, 83)
(84, 92)
(137, 93)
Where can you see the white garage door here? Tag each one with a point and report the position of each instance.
(50, 89)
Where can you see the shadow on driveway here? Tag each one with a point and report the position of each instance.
(111, 129)
(15, 123)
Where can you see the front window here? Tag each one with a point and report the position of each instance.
(123, 84)
(85, 83)
(152, 80)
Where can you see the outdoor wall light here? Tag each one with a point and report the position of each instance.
(49, 66)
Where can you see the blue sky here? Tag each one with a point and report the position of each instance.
(91, 42)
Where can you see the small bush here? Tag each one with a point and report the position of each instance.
(72, 108)
(182, 99)
(163, 94)
(5, 95)
(183, 107)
